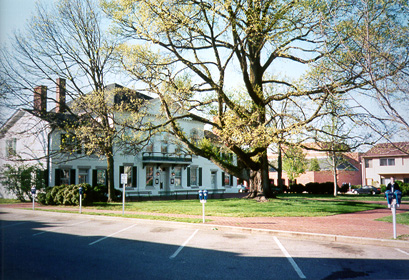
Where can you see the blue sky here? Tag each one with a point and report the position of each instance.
(14, 15)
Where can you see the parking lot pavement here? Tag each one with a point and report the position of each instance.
(42, 245)
(360, 227)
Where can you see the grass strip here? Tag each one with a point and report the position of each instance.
(9, 201)
(402, 218)
(135, 216)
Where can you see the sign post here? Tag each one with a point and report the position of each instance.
(33, 194)
(124, 181)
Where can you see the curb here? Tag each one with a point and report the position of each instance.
(209, 226)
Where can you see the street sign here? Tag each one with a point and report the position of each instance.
(124, 179)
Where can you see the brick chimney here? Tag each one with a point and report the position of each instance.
(40, 99)
(60, 96)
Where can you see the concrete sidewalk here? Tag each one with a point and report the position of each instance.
(344, 226)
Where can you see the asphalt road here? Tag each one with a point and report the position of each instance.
(42, 245)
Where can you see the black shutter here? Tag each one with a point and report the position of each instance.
(57, 177)
(134, 170)
(45, 177)
(200, 176)
(223, 179)
(121, 171)
(94, 177)
(231, 180)
(72, 177)
(188, 176)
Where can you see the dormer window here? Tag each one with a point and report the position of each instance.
(194, 136)
(164, 146)
(11, 147)
(149, 147)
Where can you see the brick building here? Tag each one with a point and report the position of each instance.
(348, 172)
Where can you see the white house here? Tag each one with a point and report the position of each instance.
(160, 169)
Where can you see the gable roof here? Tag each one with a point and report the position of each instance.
(11, 121)
(388, 149)
(122, 89)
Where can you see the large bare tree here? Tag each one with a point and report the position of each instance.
(380, 45)
(68, 40)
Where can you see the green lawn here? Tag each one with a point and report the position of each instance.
(285, 206)
(9, 201)
(402, 218)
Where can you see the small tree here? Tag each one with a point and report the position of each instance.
(294, 162)
(314, 165)
(19, 179)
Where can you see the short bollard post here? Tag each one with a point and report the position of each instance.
(33, 194)
(203, 199)
(81, 190)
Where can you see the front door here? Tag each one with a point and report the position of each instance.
(164, 180)
(214, 179)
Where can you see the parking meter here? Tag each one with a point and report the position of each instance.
(33, 192)
(200, 195)
(394, 198)
(398, 197)
(81, 189)
(389, 197)
(205, 195)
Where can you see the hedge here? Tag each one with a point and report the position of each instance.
(69, 195)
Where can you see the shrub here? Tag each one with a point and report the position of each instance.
(344, 188)
(312, 187)
(320, 188)
(69, 195)
(297, 188)
(328, 188)
(404, 187)
(18, 179)
(273, 188)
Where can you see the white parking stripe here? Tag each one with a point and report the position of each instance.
(103, 238)
(404, 252)
(54, 229)
(290, 259)
(183, 245)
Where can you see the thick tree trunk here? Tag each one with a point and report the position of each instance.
(260, 182)
(335, 174)
(254, 184)
(280, 169)
(110, 178)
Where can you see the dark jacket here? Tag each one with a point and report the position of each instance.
(395, 187)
